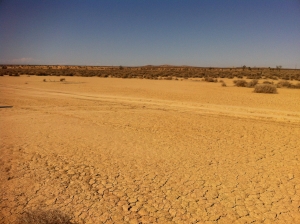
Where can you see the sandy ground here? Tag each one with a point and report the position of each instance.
(148, 151)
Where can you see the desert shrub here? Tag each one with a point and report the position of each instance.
(297, 86)
(42, 74)
(285, 77)
(210, 79)
(274, 77)
(286, 84)
(252, 83)
(240, 83)
(223, 84)
(44, 217)
(268, 82)
(265, 88)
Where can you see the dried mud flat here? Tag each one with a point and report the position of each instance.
(147, 151)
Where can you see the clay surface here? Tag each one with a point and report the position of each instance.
(148, 151)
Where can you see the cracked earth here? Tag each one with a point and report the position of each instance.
(148, 151)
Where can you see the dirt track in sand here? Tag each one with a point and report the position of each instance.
(148, 151)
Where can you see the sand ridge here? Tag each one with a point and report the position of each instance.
(141, 151)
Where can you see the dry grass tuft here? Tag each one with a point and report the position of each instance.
(252, 83)
(223, 84)
(240, 83)
(265, 88)
(210, 79)
(268, 82)
(44, 217)
(288, 84)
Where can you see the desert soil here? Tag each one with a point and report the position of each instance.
(148, 151)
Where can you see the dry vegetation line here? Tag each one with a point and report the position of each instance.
(210, 109)
(115, 159)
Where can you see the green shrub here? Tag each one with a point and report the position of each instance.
(265, 88)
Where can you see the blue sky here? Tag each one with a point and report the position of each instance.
(139, 32)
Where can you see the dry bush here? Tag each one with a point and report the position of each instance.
(42, 74)
(286, 84)
(223, 84)
(44, 217)
(297, 86)
(240, 83)
(268, 82)
(210, 79)
(252, 83)
(265, 88)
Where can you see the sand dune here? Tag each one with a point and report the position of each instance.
(148, 151)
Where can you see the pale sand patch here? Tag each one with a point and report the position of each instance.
(125, 151)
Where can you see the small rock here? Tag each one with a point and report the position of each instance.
(134, 208)
(172, 212)
(125, 208)
(92, 181)
(132, 200)
(143, 212)
(290, 176)
(70, 172)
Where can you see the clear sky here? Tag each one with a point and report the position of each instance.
(151, 32)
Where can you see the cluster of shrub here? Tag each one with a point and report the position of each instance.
(160, 74)
(253, 83)
(266, 86)
(207, 75)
